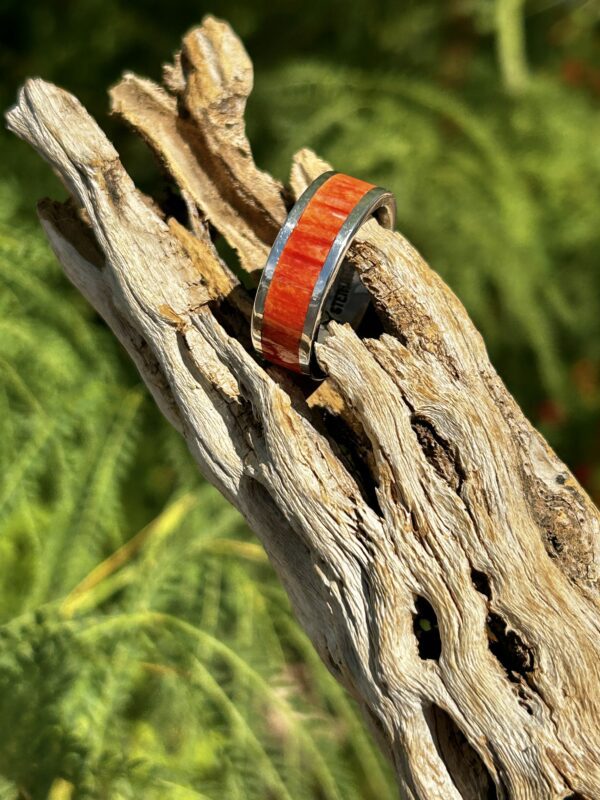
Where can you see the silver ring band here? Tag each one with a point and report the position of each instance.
(338, 292)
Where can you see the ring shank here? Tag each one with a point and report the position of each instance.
(330, 287)
(275, 254)
(376, 202)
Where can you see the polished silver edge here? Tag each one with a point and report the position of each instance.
(375, 200)
(273, 259)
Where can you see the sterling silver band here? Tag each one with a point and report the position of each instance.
(338, 292)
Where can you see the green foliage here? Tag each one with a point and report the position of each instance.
(146, 648)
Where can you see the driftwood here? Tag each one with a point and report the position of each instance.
(406, 487)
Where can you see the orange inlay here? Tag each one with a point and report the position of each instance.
(300, 263)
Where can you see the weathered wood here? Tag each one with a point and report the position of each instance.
(408, 485)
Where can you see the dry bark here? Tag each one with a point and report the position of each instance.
(407, 487)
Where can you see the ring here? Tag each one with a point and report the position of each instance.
(305, 281)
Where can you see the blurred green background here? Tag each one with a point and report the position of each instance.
(146, 648)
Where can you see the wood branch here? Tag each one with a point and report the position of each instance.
(442, 559)
(199, 135)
